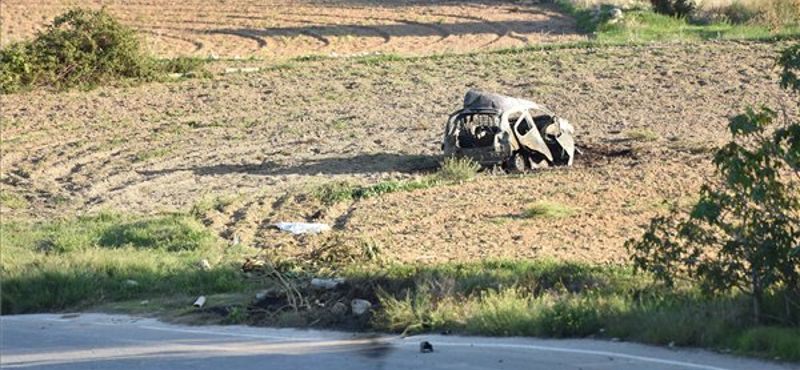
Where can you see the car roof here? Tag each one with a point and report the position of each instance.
(476, 100)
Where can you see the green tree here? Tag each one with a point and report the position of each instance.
(744, 232)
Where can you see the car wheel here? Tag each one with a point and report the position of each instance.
(518, 163)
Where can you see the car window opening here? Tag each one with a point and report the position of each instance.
(477, 130)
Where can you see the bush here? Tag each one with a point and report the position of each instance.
(675, 8)
(743, 232)
(458, 170)
(739, 13)
(82, 48)
(772, 13)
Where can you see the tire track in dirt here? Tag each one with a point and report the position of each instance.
(251, 35)
(309, 33)
(198, 46)
(443, 32)
(499, 30)
(276, 134)
(244, 27)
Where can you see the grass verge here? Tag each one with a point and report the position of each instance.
(642, 25)
(646, 26)
(72, 264)
(558, 299)
(148, 265)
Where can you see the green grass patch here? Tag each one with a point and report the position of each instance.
(641, 135)
(457, 170)
(783, 342)
(12, 201)
(563, 299)
(218, 203)
(552, 210)
(148, 154)
(92, 260)
(452, 171)
(342, 191)
(642, 25)
(183, 65)
(149, 265)
(283, 67)
(379, 58)
(647, 26)
(312, 58)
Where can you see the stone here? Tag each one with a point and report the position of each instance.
(360, 306)
(323, 283)
(204, 265)
(339, 309)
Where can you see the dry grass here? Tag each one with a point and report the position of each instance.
(773, 13)
(625, 4)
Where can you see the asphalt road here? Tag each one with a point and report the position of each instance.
(99, 341)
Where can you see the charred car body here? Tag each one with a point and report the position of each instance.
(518, 134)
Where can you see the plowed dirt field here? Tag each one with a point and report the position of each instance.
(645, 116)
(288, 28)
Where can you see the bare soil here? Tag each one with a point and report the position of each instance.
(277, 29)
(261, 141)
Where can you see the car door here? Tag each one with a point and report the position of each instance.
(527, 135)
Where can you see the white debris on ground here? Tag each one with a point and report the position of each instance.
(302, 227)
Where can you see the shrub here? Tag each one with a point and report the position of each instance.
(82, 48)
(675, 8)
(742, 234)
(458, 169)
(777, 13)
(738, 13)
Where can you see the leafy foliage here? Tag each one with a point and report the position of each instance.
(81, 48)
(675, 8)
(790, 60)
(744, 231)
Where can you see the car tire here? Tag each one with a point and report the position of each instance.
(517, 163)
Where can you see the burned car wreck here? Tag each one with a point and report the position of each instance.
(517, 134)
